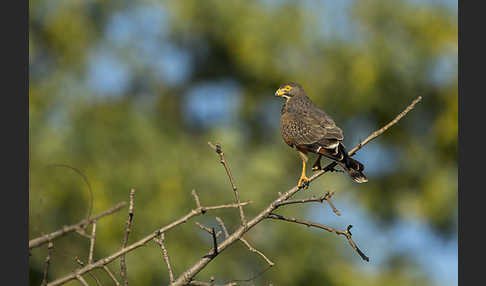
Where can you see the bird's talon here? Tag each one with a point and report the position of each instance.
(316, 168)
(303, 183)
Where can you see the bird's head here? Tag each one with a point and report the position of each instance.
(289, 90)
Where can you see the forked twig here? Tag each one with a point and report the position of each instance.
(165, 254)
(36, 242)
(345, 233)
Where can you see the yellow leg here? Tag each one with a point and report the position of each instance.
(303, 181)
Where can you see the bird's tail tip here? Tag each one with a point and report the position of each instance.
(358, 176)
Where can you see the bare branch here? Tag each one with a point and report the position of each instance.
(218, 150)
(207, 229)
(198, 203)
(107, 270)
(81, 280)
(302, 201)
(345, 233)
(165, 255)
(223, 227)
(104, 261)
(252, 249)
(50, 246)
(192, 271)
(215, 241)
(213, 234)
(82, 232)
(36, 242)
(128, 225)
(384, 128)
(326, 197)
(92, 242)
(200, 283)
(90, 274)
(187, 276)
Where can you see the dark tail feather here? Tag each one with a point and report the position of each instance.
(355, 170)
(353, 167)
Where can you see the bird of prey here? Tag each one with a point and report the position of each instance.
(309, 129)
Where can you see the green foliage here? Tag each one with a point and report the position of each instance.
(143, 137)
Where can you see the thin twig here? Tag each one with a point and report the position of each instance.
(345, 233)
(128, 225)
(201, 283)
(207, 229)
(328, 196)
(36, 242)
(215, 241)
(223, 227)
(198, 203)
(192, 271)
(165, 254)
(384, 128)
(107, 270)
(104, 261)
(89, 273)
(92, 243)
(213, 234)
(82, 232)
(218, 150)
(252, 249)
(302, 201)
(81, 280)
(50, 246)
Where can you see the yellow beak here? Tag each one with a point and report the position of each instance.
(279, 92)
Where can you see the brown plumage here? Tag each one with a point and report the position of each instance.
(309, 129)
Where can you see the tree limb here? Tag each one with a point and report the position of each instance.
(36, 242)
(104, 261)
(345, 233)
(192, 271)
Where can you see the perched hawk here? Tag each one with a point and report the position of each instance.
(309, 129)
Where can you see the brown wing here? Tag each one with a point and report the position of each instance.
(313, 126)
